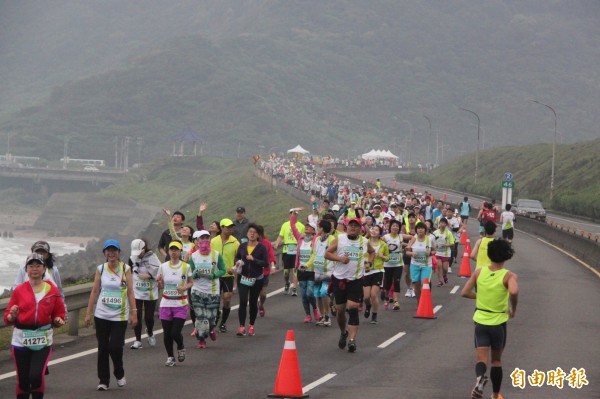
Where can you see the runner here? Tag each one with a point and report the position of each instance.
(207, 267)
(353, 254)
(496, 301)
(507, 218)
(177, 220)
(374, 277)
(288, 257)
(34, 308)
(226, 244)
(444, 242)
(322, 268)
(408, 232)
(144, 264)
(465, 210)
(240, 224)
(419, 249)
(455, 225)
(266, 272)
(479, 252)
(393, 266)
(175, 278)
(114, 302)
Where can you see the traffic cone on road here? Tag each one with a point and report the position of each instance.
(465, 266)
(463, 238)
(468, 245)
(425, 309)
(288, 383)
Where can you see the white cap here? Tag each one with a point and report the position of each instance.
(137, 246)
(391, 214)
(200, 233)
(336, 207)
(314, 226)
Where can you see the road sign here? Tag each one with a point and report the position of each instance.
(508, 176)
(508, 184)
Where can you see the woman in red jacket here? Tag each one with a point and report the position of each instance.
(34, 308)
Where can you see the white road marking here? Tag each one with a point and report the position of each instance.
(572, 257)
(437, 308)
(318, 382)
(456, 287)
(391, 340)
(128, 340)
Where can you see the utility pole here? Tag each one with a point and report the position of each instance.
(478, 137)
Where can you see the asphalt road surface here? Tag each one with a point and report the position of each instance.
(557, 324)
(387, 179)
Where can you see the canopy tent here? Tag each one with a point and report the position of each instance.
(378, 154)
(298, 150)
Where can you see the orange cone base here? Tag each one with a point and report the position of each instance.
(425, 317)
(286, 396)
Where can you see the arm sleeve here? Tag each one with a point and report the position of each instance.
(221, 267)
(153, 266)
(294, 228)
(199, 223)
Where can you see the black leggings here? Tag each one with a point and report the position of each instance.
(192, 313)
(253, 292)
(30, 371)
(148, 310)
(172, 332)
(111, 339)
(392, 275)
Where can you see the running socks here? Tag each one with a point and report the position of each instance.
(496, 377)
(225, 315)
(480, 369)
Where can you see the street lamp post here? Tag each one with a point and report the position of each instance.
(478, 136)
(429, 139)
(553, 146)
(407, 141)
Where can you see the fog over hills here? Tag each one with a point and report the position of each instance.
(335, 76)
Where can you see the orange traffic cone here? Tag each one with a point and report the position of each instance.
(468, 245)
(465, 266)
(463, 238)
(425, 309)
(288, 383)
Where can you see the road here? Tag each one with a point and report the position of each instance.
(387, 179)
(556, 325)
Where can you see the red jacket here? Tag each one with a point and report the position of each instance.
(267, 243)
(50, 307)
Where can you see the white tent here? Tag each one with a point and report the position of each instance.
(369, 155)
(298, 150)
(388, 154)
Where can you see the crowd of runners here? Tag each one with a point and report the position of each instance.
(345, 257)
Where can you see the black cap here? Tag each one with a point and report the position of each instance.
(240, 209)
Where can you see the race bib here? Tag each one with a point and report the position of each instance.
(420, 257)
(202, 271)
(170, 291)
(304, 255)
(351, 252)
(248, 281)
(111, 298)
(35, 339)
(143, 285)
(319, 264)
(291, 249)
(394, 258)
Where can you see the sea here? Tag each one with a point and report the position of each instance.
(14, 252)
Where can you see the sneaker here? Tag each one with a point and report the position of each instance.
(212, 334)
(374, 319)
(367, 313)
(193, 334)
(499, 396)
(327, 322)
(201, 344)
(352, 346)
(440, 283)
(152, 341)
(121, 382)
(102, 387)
(136, 345)
(385, 305)
(343, 339)
(477, 392)
(241, 331)
(396, 306)
(222, 328)
(308, 319)
(445, 279)
(286, 289)
(449, 270)
(294, 291)
(316, 314)
(251, 330)
(412, 293)
(407, 293)
(181, 355)
(261, 310)
(235, 290)
(320, 321)
(170, 362)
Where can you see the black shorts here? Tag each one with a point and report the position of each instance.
(289, 261)
(508, 234)
(373, 279)
(226, 284)
(344, 291)
(463, 218)
(406, 259)
(266, 280)
(490, 336)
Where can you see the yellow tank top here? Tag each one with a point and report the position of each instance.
(482, 255)
(492, 297)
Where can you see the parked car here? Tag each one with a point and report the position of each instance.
(530, 208)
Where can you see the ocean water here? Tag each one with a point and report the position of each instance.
(14, 251)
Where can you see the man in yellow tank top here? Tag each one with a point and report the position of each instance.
(496, 301)
(479, 252)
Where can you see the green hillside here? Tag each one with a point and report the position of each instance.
(576, 184)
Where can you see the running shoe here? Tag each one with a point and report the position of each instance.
(445, 279)
(412, 293)
(251, 330)
(477, 392)
(385, 305)
(440, 283)
(343, 340)
(212, 334)
(316, 314)
(201, 344)
(294, 291)
(367, 312)
(327, 321)
(320, 321)
(241, 331)
(352, 346)
(193, 334)
(407, 293)
(308, 319)
(121, 382)
(499, 396)
(152, 341)
(235, 290)
(374, 319)
(396, 305)
(136, 345)
(286, 289)
(261, 310)
(170, 362)
(102, 387)
(449, 270)
(222, 328)
(180, 355)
